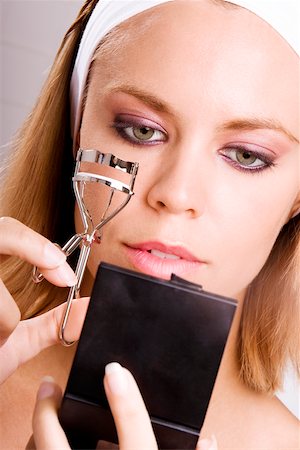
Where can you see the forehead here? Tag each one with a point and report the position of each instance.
(203, 47)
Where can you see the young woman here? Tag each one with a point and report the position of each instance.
(204, 95)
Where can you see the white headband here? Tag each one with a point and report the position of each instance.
(282, 15)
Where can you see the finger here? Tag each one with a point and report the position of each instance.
(19, 240)
(9, 313)
(47, 431)
(43, 331)
(130, 415)
(207, 444)
(33, 335)
(61, 276)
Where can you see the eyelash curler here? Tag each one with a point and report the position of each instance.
(122, 181)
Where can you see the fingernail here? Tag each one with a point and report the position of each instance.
(66, 274)
(47, 388)
(116, 378)
(54, 254)
(207, 443)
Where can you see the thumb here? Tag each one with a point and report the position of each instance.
(47, 431)
(51, 321)
(43, 330)
(33, 335)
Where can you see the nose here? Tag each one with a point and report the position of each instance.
(175, 187)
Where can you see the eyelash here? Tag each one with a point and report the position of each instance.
(267, 162)
(120, 126)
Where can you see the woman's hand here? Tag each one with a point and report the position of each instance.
(131, 418)
(21, 341)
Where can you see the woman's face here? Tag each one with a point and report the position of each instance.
(205, 99)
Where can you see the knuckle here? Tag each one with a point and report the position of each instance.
(22, 234)
(20, 240)
(7, 222)
(11, 227)
(26, 241)
(9, 312)
(129, 411)
(127, 416)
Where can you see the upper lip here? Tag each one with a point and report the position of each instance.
(177, 250)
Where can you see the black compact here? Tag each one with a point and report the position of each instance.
(170, 334)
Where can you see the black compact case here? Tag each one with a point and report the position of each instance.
(170, 334)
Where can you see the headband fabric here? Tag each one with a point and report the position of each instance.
(282, 15)
(106, 15)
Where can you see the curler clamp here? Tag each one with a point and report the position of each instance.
(92, 166)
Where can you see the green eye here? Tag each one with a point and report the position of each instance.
(245, 158)
(138, 131)
(143, 133)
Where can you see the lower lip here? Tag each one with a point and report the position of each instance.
(159, 267)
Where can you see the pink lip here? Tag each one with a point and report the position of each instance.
(141, 259)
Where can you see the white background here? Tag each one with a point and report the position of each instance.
(31, 31)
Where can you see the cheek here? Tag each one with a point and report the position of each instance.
(237, 258)
(245, 223)
(100, 203)
(238, 227)
(249, 238)
(261, 203)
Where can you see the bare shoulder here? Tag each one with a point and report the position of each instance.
(252, 421)
(284, 426)
(275, 427)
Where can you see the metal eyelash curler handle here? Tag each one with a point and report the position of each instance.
(88, 236)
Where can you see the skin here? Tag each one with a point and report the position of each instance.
(186, 192)
(189, 193)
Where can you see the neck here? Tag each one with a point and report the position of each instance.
(229, 364)
(228, 386)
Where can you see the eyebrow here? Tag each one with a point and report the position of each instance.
(144, 96)
(257, 124)
(237, 124)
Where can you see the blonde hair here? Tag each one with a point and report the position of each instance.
(38, 188)
(38, 193)
(269, 327)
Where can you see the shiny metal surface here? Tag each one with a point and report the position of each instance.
(91, 231)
